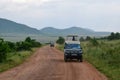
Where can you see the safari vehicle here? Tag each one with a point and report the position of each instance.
(72, 48)
(52, 44)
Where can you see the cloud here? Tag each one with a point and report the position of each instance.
(40, 13)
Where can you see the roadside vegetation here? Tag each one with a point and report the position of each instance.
(60, 40)
(103, 53)
(105, 56)
(13, 54)
(60, 43)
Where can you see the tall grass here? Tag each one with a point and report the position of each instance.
(60, 47)
(105, 57)
(15, 58)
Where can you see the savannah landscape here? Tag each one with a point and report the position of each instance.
(33, 39)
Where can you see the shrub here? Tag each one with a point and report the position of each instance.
(88, 38)
(114, 36)
(3, 51)
(60, 40)
(23, 46)
(6, 46)
(12, 46)
(94, 42)
(28, 39)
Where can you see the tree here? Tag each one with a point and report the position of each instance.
(94, 42)
(28, 39)
(35, 43)
(27, 44)
(1, 40)
(117, 35)
(12, 46)
(23, 46)
(7, 46)
(88, 38)
(32, 42)
(114, 36)
(82, 39)
(3, 51)
(60, 40)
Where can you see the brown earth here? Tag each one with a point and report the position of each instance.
(48, 64)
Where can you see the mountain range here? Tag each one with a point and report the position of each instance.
(11, 27)
(7, 26)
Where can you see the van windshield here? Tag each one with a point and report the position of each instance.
(72, 46)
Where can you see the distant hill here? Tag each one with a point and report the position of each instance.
(7, 26)
(11, 27)
(72, 30)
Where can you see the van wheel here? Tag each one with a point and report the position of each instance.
(81, 58)
(65, 59)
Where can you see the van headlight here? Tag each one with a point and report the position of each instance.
(67, 51)
(80, 51)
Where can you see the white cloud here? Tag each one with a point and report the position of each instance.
(19, 1)
(85, 13)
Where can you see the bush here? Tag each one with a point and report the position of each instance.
(6, 46)
(23, 46)
(61, 40)
(34, 43)
(94, 42)
(27, 44)
(12, 46)
(88, 38)
(28, 39)
(114, 36)
(3, 51)
(82, 39)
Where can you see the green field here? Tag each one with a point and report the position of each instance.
(105, 56)
(39, 38)
(15, 58)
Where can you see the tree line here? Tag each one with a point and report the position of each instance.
(112, 36)
(7, 46)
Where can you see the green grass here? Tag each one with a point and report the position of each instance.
(15, 59)
(16, 38)
(105, 57)
(60, 47)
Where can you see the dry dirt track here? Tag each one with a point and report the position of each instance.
(48, 64)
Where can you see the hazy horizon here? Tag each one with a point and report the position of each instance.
(103, 15)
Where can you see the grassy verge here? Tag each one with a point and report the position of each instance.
(60, 47)
(15, 58)
(105, 57)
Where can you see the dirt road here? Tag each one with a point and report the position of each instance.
(47, 64)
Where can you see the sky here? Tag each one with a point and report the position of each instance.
(99, 15)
